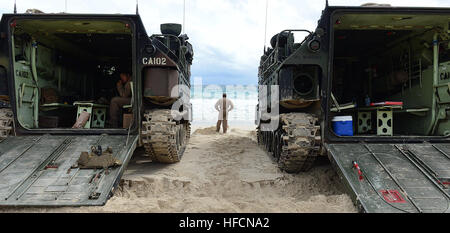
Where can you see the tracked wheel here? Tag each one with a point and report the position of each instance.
(294, 143)
(6, 122)
(163, 137)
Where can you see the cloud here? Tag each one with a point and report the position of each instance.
(228, 36)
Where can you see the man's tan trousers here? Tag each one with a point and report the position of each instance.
(224, 125)
(224, 119)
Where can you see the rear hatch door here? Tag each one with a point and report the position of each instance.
(36, 170)
(405, 177)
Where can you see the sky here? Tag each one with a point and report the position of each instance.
(228, 36)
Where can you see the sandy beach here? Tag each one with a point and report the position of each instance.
(221, 173)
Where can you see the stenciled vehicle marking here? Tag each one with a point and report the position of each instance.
(154, 61)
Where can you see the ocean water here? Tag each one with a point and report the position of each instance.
(244, 98)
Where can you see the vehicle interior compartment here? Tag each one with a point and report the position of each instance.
(390, 75)
(65, 67)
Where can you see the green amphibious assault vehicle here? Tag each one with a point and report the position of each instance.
(55, 68)
(370, 89)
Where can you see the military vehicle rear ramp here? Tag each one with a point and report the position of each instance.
(36, 170)
(399, 178)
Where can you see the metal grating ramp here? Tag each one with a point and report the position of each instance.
(36, 170)
(392, 180)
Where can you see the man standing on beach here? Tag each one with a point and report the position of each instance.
(223, 105)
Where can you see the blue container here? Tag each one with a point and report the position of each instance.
(343, 125)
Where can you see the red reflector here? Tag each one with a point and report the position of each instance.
(392, 196)
(443, 182)
(355, 165)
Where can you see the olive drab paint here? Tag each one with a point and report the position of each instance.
(156, 62)
(385, 165)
